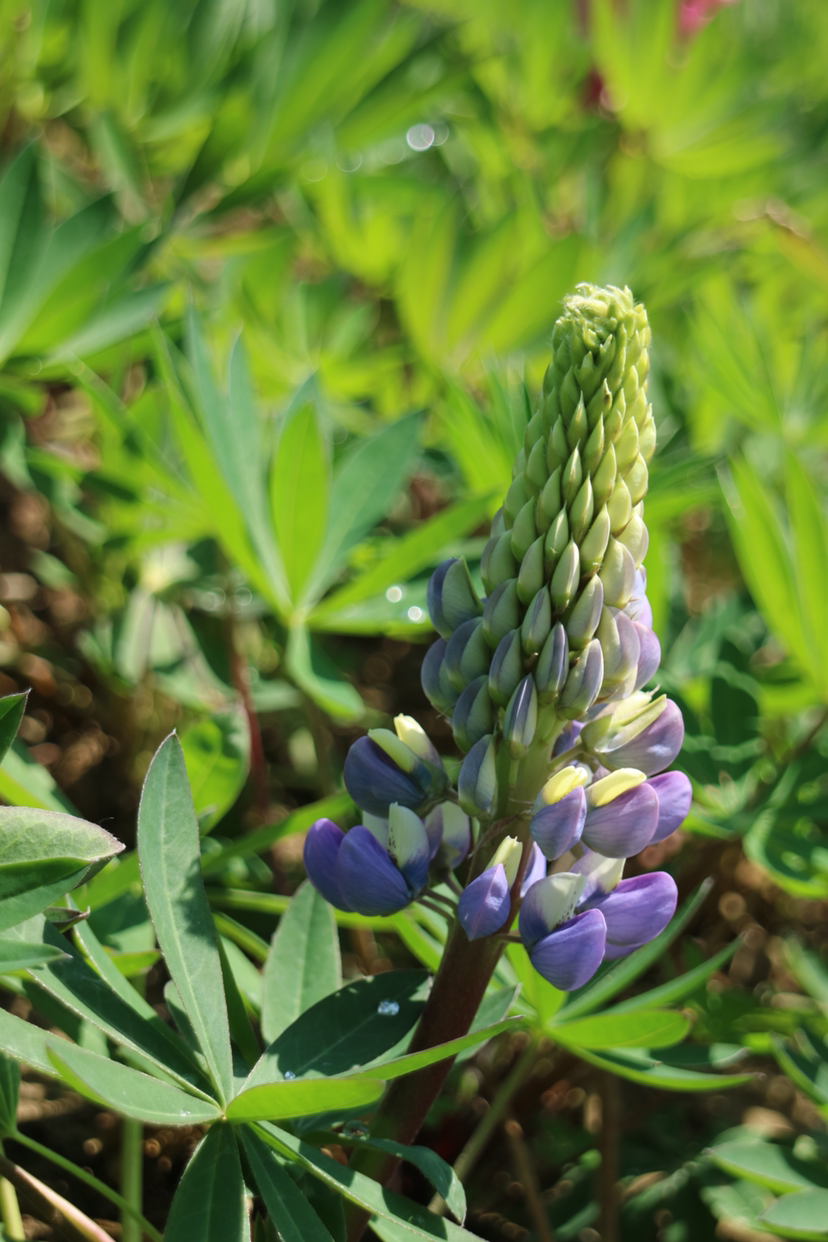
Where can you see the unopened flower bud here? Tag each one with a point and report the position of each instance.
(437, 687)
(477, 779)
(501, 613)
(552, 668)
(537, 623)
(583, 683)
(523, 533)
(415, 737)
(381, 769)
(452, 598)
(521, 718)
(498, 563)
(530, 574)
(473, 715)
(585, 615)
(594, 543)
(506, 669)
(617, 574)
(467, 655)
(565, 578)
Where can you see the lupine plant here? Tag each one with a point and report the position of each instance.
(543, 678)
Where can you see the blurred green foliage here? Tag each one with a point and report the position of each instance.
(276, 283)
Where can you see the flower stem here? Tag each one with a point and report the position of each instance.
(132, 1156)
(10, 1210)
(491, 1119)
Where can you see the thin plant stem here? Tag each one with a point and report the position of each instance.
(91, 1180)
(132, 1161)
(10, 1210)
(491, 1119)
(608, 1170)
(435, 909)
(528, 1178)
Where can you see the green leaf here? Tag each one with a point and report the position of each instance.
(303, 964)
(767, 1163)
(638, 1066)
(808, 1072)
(9, 1094)
(365, 485)
(20, 955)
(765, 560)
(346, 1030)
(613, 980)
(810, 559)
(127, 1090)
(26, 783)
(217, 754)
(407, 555)
(25, 1042)
(210, 1202)
(275, 1101)
(12, 707)
(642, 1029)
(300, 492)
(537, 992)
(441, 1175)
(168, 848)
(397, 1219)
(800, 1215)
(288, 1209)
(412, 1061)
(101, 996)
(241, 1030)
(680, 988)
(319, 677)
(43, 854)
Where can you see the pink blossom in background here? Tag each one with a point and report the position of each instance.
(694, 14)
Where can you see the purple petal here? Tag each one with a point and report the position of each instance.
(368, 879)
(655, 747)
(374, 780)
(558, 827)
(567, 739)
(535, 871)
(572, 953)
(675, 793)
(649, 657)
(484, 906)
(408, 846)
(623, 826)
(636, 911)
(322, 846)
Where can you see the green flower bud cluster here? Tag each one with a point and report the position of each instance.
(551, 638)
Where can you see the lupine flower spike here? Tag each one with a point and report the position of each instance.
(543, 676)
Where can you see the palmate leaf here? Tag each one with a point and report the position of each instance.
(768, 1164)
(303, 964)
(209, 1203)
(217, 755)
(276, 1101)
(441, 1175)
(169, 853)
(44, 854)
(638, 1065)
(129, 1091)
(300, 490)
(642, 1029)
(803, 1214)
(294, 1218)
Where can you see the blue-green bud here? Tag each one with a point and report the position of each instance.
(617, 574)
(501, 612)
(498, 563)
(467, 655)
(506, 668)
(537, 623)
(516, 498)
(585, 615)
(552, 667)
(594, 543)
(583, 683)
(603, 478)
(557, 538)
(477, 779)
(521, 718)
(452, 598)
(572, 477)
(530, 575)
(635, 538)
(523, 533)
(580, 514)
(619, 507)
(473, 714)
(536, 471)
(438, 689)
(549, 502)
(565, 579)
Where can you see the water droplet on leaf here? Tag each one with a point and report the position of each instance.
(388, 1008)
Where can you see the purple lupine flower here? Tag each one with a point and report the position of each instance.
(535, 871)
(376, 868)
(674, 793)
(641, 732)
(635, 911)
(649, 655)
(556, 828)
(485, 904)
(381, 769)
(622, 814)
(565, 947)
